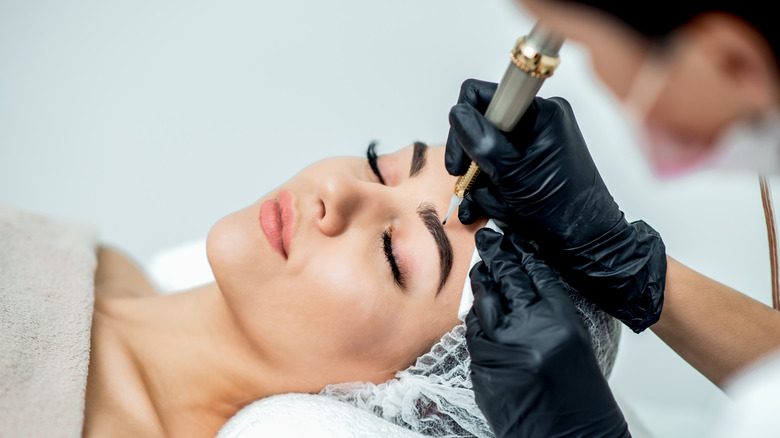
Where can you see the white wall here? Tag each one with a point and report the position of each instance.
(154, 119)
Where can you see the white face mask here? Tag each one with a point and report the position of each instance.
(748, 144)
(751, 144)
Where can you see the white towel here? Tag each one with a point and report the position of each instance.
(467, 296)
(311, 416)
(47, 270)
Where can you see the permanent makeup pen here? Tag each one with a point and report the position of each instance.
(533, 59)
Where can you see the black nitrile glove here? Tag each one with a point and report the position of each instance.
(533, 368)
(541, 180)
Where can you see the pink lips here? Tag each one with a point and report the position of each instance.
(277, 218)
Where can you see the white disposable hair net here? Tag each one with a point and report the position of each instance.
(434, 396)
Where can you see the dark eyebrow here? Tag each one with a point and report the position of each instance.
(432, 222)
(418, 158)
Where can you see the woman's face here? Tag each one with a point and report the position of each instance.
(338, 276)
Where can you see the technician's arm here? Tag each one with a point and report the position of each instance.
(713, 327)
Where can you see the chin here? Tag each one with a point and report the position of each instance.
(216, 248)
(233, 247)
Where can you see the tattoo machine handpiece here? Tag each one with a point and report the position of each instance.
(533, 59)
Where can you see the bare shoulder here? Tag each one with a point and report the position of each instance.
(117, 276)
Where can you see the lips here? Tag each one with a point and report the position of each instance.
(287, 214)
(277, 219)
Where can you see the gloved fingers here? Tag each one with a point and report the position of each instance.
(555, 110)
(480, 346)
(482, 143)
(487, 301)
(473, 328)
(475, 333)
(487, 242)
(503, 261)
(455, 159)
(483, 202)
(469, 130)
(473, 138)
(546, 282)
(502, 253)
(477, 93)
(469, 211)
(522, 276)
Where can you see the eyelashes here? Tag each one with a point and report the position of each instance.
(387, 244)
(371, 156)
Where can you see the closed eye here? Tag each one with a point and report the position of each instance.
(387, 243)
(372, 161)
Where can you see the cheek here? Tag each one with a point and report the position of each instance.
(346, 306)
(332, 308)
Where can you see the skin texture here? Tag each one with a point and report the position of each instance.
(715, 328)
(717, 70)
(329, 312)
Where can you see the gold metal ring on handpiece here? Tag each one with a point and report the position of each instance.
(464, 183)
(529, 60)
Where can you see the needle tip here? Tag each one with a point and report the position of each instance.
(454, 203)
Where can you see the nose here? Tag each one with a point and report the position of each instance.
(347, 200)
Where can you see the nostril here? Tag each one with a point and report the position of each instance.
(321, 211)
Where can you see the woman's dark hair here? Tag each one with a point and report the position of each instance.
(658, 19)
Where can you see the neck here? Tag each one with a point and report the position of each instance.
(191, 365)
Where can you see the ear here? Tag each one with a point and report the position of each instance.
(742, 55)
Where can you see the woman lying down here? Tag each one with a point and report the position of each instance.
(341, 282)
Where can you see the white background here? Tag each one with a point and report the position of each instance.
(152, 120)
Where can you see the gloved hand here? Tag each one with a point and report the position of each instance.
(542, 182)
(533, 368)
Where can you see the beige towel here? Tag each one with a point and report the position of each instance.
(47, 272)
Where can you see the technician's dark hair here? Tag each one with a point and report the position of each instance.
(657, 19)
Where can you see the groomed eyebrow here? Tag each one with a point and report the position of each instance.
(419, 156)
(432, 222)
